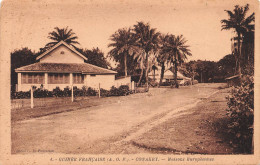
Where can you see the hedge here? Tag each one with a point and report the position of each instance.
(123, 90)
(241, 113)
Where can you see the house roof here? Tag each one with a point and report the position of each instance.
(229, 78)
(169, 75)
(84, 68)
(57, 45)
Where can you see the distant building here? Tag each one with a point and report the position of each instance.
(63, 66)
(168, 76)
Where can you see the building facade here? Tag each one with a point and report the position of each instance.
(62, 66)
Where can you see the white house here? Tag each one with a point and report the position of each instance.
(168, 76)
(63, 66)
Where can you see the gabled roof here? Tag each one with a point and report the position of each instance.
(83, 68)
(229, 78)
(57, 45)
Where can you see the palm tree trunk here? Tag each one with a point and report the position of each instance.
(154, 75)
(146, 72)
(140, 78)
(125, 54)
(175, 72)
(239, 57)
(162, 73)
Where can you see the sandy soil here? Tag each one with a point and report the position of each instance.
(107, 128)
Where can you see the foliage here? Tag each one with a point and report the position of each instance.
(123, 90)
(148, 42)
(20, 58)
(20, 95)
(124, 46)
(63, 34)
(95, 57)
(177, 51)
(241, 113)
(242, 25)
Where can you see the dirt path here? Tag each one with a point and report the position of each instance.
(96, 129)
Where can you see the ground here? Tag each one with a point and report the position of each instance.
(185, 120)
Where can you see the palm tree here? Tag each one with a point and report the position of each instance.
(177, 51)
(63, 34)
(141, 64)
(241, 24)
(148, 41)
(163, 55)
(124, 44)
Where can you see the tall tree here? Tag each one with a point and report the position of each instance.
(148, 41)
(241, 24)
(177, 52)
(163, 55)
(64, 34)
(19, 58)
(124, 45)
(95, 57)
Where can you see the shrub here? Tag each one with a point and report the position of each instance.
(20, 95)
(187, 82)
(67, 92)
(57, 92)
(40, 93)
(114, 91)
(91, 92)
(124, 90)
(104, 93)
(241, 113)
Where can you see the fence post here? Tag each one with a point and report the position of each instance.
(72, 94)
(99, 90)
(135, 87)
(32, 97)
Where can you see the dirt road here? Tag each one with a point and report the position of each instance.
(97, 129)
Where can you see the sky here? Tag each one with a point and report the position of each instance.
(26, 23)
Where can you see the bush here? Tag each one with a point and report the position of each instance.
(67, 92)
(104, 93)
(91, 92)
(241, 113)
(124, 90)
(20, 95)
(40, 93)
(187, 82)
(57, 92)
(114, 91)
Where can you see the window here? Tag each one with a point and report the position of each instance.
(58, 78)
(32, 78)
(78, 78)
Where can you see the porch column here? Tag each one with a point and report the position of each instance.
(19, 82)
(71, 79)
(46, 81)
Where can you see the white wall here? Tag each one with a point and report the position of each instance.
(123, 81)
(106, 81)
(55, 56)
(50, 87)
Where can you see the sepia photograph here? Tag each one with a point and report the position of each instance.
(129, 82)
